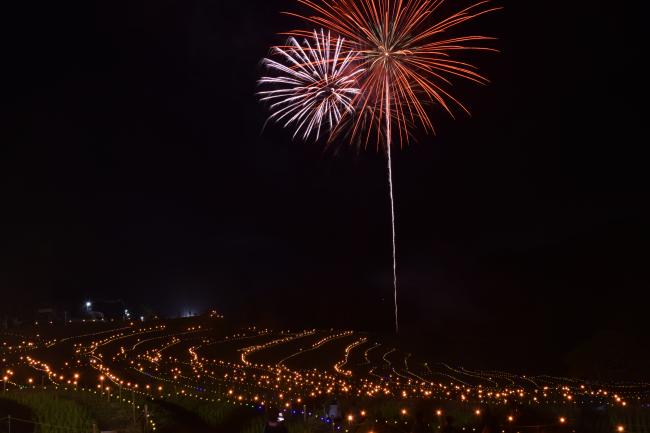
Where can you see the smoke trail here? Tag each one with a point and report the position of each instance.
(392, 200)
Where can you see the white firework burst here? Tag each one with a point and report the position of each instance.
(313, 87)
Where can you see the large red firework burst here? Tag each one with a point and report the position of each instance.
(408, 55)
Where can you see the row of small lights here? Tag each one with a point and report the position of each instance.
(285, 339)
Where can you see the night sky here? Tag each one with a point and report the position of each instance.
(134, 165)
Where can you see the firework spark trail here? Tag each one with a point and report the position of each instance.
(392, 216)
(392, 203)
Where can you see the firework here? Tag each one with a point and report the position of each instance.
(408, 58)
(314, 84)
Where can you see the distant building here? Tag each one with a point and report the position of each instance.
(95, 315)
(47, 314)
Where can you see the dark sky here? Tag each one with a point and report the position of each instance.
(133, 165)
